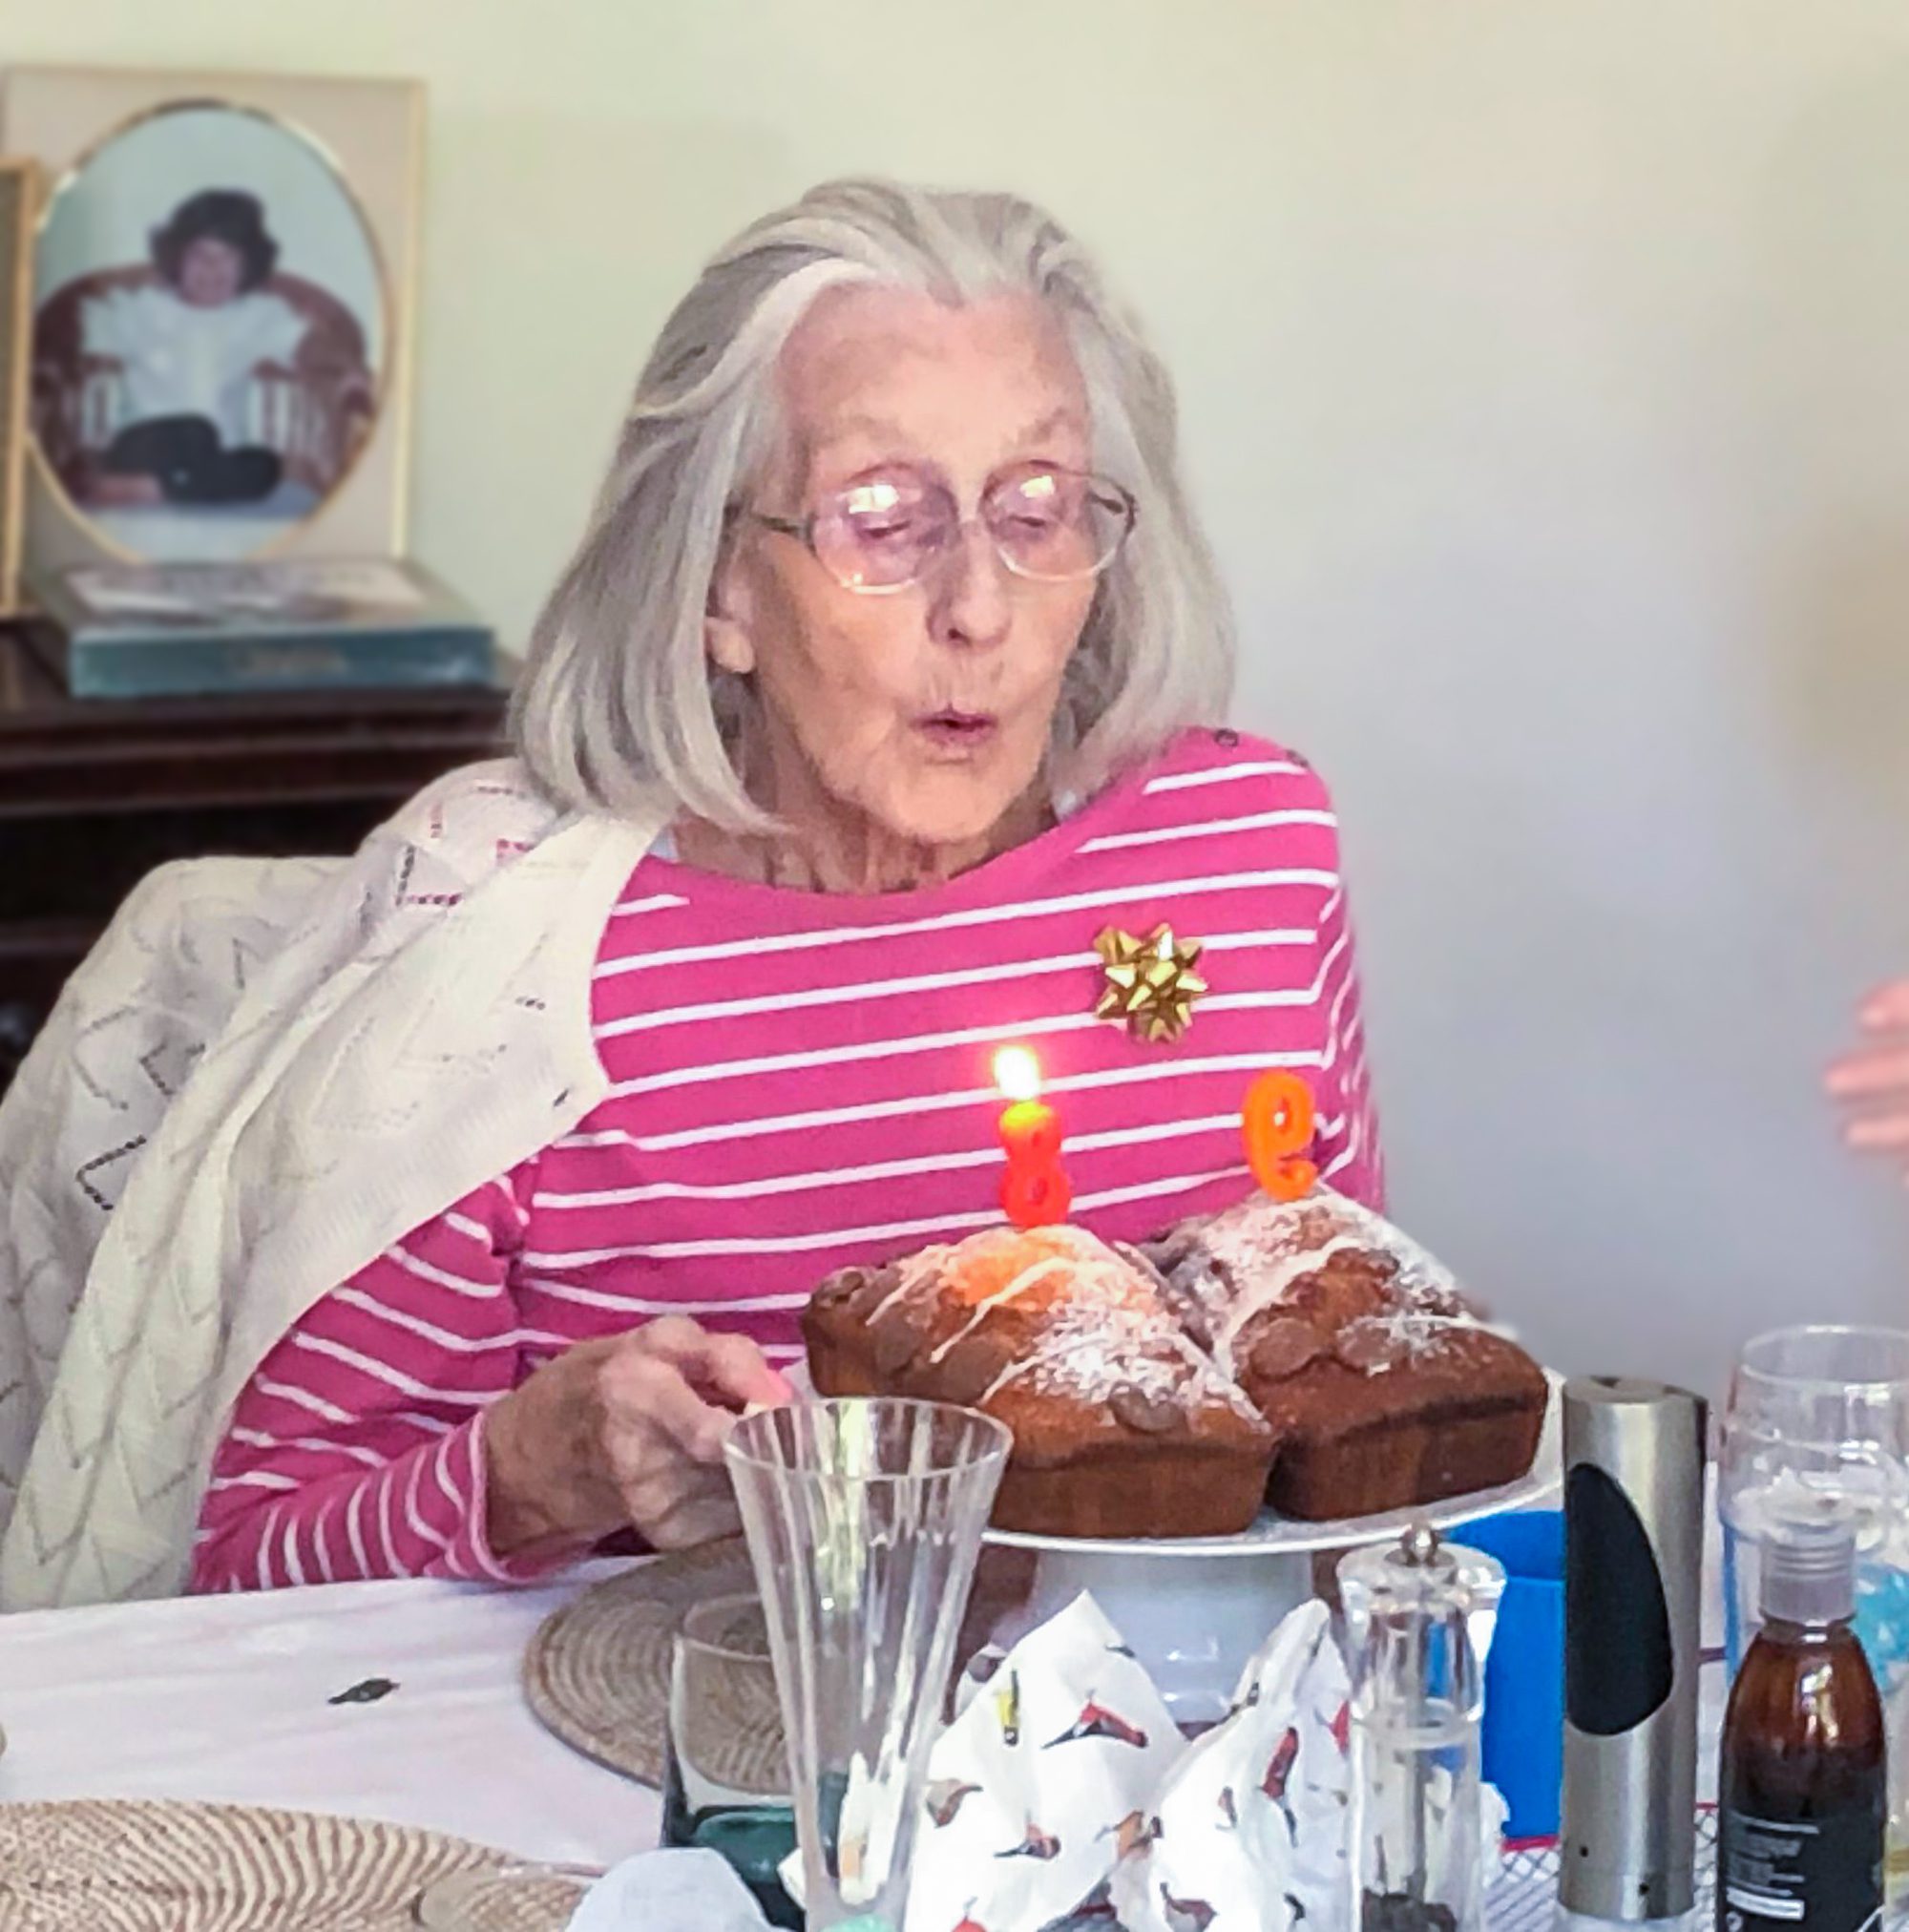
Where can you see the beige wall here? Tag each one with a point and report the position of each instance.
(1546, 372)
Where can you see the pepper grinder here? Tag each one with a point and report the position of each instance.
(1417, 1860)
(1633, 1564)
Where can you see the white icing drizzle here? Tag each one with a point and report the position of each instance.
(917, 1268)
(1267, 1286)
(1042, 1271)
(1108, 1324)
(1244, 1263)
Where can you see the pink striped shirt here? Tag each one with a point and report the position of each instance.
(797, 1081)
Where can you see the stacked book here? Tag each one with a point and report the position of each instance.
(177, 629)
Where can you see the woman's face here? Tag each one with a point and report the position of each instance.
(925, 711)
(210, 273)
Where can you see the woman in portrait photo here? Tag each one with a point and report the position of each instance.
(187, 348)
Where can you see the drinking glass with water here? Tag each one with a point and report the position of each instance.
(725, 1778)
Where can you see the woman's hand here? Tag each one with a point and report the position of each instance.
(626, 1429)
(1875, 1080)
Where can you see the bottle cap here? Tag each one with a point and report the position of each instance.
(1809, 1562)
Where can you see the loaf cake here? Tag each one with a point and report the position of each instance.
(1383, 1388)
(1123, 1426)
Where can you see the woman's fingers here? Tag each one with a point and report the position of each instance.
(1887, 1007)
(1878, 1070)
(703, 1518)
(728, 1369)
(1880, 1133)
(650, 1401)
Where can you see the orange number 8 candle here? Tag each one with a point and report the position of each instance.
(1034, 1191)
(1276, 1124)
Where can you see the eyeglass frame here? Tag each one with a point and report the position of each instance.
(803, 530)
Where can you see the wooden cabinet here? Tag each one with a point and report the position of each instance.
(94, 795)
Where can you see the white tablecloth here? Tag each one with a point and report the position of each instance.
(227, 1697)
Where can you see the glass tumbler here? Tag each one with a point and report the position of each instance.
(864, 1518)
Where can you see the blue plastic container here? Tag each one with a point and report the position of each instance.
(1523, 1741)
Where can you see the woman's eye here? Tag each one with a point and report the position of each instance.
(885, 529)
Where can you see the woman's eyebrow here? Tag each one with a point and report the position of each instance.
(882, 429)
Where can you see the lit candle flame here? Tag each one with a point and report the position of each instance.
(1017, 1073)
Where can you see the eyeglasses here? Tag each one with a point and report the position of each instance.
(889, 529)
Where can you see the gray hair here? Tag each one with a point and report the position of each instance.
(618, 696)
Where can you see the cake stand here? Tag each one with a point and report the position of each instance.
(1194, 1609)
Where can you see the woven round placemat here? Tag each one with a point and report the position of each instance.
(93, 1866)
(596, 1672)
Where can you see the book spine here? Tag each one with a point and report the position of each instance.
(162, 667)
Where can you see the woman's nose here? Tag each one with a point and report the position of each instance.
(970, 599)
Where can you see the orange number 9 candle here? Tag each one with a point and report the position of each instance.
(1277, 1125)
(1034, 1191)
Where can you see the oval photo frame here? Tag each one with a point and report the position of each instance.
(212, 334)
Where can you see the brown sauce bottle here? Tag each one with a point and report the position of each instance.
(1803, 1798)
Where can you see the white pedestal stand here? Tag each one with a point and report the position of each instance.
(1194, 1609)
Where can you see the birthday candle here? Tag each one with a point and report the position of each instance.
(1277, 1125)
(1034, 1189)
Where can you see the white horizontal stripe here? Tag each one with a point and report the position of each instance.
(266, 1580)
(413, 1515)
(505, 1186)
(393, 1567)
(446, 1488)
(929, 1043)
(969, 1036)
(478, 1545)
(875, 1170)
(891, 1230)
(877, 1110)
(458, 1284)
(432, 1425)
(657, 902)
(444, 1339)
(1220, 774)
(849, 1056)
(256, 1439)
(290, 1555)
(924, 982)
(383, 1372)
(981, 915)
(543, 1338)
(254, 1479)
(638, 1305)
(287, 1391)
(558, 1202)
(832, 996)
(1169, 834)
(354, 1529)
(321, 1546)
(473, 1230)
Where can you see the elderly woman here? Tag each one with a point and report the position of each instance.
(881, 687)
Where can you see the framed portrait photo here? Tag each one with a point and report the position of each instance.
(19, 186)
(220, 314)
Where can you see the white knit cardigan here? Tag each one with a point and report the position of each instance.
(266, 1073)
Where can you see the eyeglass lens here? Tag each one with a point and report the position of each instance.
(889, 528)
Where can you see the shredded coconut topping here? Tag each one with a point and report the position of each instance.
(1108, 1327)
(1243, 1264)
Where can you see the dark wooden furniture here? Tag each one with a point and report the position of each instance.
(94, 794)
